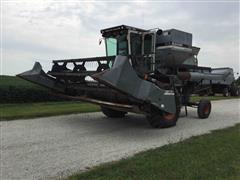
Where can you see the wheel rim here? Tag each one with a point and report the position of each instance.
(169, 116)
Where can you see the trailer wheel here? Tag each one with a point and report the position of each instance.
(112, 113)
(204, 108)
(225, 92)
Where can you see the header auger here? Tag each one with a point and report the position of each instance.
(152, 72)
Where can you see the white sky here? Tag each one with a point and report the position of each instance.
(45, 30)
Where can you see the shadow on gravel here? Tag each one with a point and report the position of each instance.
(96, 122)
(99, 121)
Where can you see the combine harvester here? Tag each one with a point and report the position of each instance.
(152, 72)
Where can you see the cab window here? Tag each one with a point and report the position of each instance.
(148, 44)
(136, 44)
(117, 45)
(111, 46)
(122, 45)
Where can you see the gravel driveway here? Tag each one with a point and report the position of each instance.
(54, 147)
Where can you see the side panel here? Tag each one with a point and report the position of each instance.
(122, 77)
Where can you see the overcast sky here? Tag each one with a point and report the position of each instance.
(45, 30)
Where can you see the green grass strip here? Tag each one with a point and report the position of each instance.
(212, 98)
(210, 156)
(30, 110)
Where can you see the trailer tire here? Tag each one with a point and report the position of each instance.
(112, 113)
(204, 108)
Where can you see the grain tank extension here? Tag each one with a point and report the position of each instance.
(152, 72)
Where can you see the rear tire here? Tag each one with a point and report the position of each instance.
(112, 113)
(204, 108)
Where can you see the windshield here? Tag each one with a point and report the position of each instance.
(111, 45)
(117, 46)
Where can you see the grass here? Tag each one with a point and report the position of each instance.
(16, 90)
(210, 156)
(30, 110)
(15, 81)
(212, 98)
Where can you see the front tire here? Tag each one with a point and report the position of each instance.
(204, 109)
(163, 119)
(113, 113)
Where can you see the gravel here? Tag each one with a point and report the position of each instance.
(55, 147)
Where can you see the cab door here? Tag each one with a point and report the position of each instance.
(148, 50)
(135, 44)
(142, 51)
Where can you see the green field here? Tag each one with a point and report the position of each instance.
(22, 99)
(6, 81)
(30, 110)
(16, 90)
(210, 156)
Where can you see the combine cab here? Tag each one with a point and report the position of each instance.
(152, 72)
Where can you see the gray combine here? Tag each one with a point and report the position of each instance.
(152, 72)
